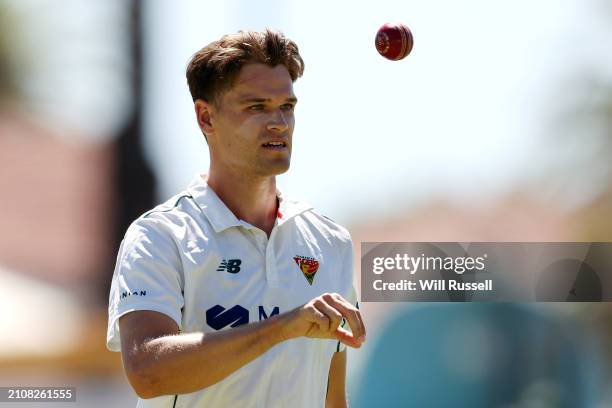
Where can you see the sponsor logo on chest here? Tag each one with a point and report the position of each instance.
(218, 317)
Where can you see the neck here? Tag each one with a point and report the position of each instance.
(251, 199)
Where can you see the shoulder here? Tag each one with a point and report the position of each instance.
(180, 205)
(165, 218)
(328, 227)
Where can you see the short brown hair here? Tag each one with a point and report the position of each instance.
(212, 70)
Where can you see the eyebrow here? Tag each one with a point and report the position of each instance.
(264, 100)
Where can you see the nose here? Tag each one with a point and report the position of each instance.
(278, 122)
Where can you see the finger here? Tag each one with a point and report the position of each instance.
(346, 337)
(363, 327)
(361, 323)
(334, 316)
(352, 315)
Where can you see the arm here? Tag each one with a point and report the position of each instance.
(336, 389)
(160, 361)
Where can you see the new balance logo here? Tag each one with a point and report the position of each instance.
(231, 266)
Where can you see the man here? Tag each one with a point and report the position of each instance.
(228, 294)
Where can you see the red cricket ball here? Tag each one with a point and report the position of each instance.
(394, 41)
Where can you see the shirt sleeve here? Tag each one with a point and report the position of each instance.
(147, 276)
(350, 294)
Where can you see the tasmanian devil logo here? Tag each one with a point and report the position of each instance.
(308, 266)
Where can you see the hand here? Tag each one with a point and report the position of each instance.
(321, 318)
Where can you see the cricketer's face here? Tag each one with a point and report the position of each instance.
(253, 122)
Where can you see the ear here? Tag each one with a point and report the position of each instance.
(203, 112)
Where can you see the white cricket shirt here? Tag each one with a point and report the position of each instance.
(193, 260)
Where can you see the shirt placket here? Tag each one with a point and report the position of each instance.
(271, 267)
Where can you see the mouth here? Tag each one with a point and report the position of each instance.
(274, 145)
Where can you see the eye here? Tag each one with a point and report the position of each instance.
(288, 107)
(256, 108)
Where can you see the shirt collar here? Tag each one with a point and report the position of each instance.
(221, 218)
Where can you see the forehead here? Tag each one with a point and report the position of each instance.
(261, 80)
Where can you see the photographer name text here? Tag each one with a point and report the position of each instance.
(413, 264)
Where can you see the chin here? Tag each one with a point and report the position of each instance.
(281, 171)
(278, 168)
